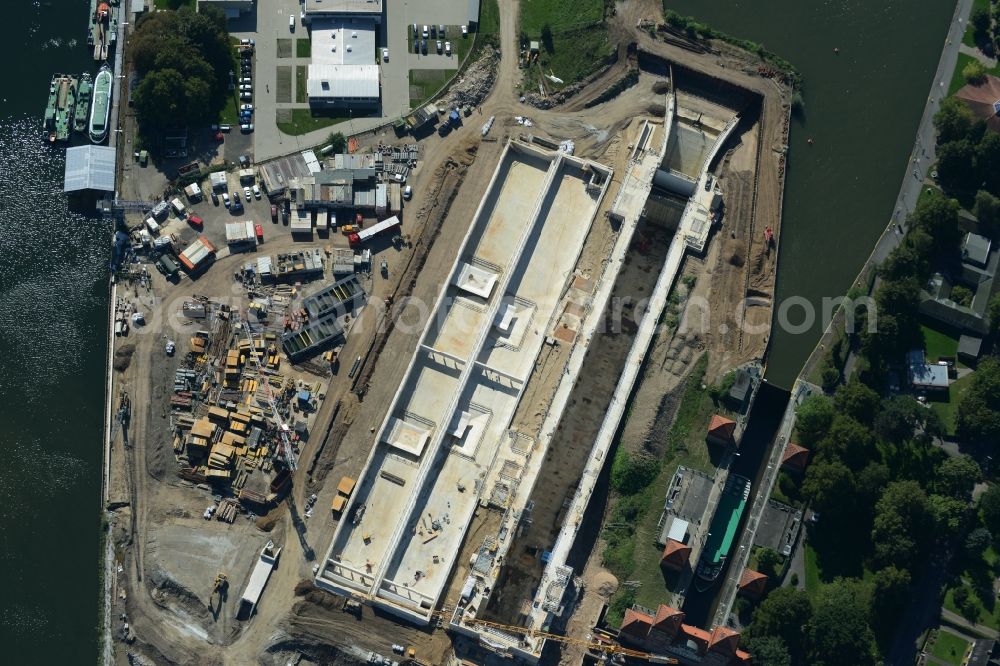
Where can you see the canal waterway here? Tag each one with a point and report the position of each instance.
(53, 307)
(862, 108)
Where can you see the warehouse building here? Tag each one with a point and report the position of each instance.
(343, 72)
(89, 168)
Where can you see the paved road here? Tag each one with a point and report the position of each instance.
(923, 156)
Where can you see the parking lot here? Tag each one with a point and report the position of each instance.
(270, 24)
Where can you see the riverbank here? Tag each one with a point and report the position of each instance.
(921, 157)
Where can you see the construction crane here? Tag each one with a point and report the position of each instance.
(286, 445)
(606, 648)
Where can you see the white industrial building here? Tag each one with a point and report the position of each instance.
(342, 72)
(89, 168)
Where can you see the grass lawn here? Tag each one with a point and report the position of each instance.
(425, 83)
(489, 18)
(957, 80)
(303, 47)
(814, 577)
(948, 410)
(579, 39)
(978, 576)
(969, 37)
(574, 56)
(302, 121)
(939, 342)
(300, 84)
(559, 15)
(949, 647)
(284, 48)
(686, 446)
(283, 84)
(230, 114)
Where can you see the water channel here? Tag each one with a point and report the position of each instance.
(862, 108)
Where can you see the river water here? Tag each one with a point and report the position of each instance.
(862, 108)
(53, 282)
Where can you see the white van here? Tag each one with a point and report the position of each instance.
(291, 22)
(178, 207)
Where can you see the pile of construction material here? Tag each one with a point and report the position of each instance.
(475, 84)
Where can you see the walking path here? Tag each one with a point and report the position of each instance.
(923, 154)
(960, 622)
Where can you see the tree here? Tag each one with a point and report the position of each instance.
(978, 417)
(812, 418)
(897, 419)
(948, 514)
(871, 481)
(956, 168)
(979, 19)
(966, 603)
(547, 41)
(890, 587)
(159, 99)
(988, 160)
(953, 121)
(632, 473)
(338, 141)
(903, 523)
(857, 401)
(989, 507)
(768, 561)
(993, 312)
(957, 475)
(185, 59)
(961, 295)
(769, 651)
(977, 541)
(974, 72)
(830, 486)
(904, 261)
(839, 632)
(784, 614)
(848, 441)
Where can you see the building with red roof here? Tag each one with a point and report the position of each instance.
(664, 633)
(753, 584)
(983, 100)
(795, 458)
(675, 555)
(721, 430)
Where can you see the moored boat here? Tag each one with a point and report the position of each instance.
(101, 105)
(83, 95)
(61, 105)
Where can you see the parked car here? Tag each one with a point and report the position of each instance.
(439, 46)
(441, 31)
(385, 55)
(196, 221)
(246, 193)
(425, 34)
(225, 199)
(416, 46)
(247, 42)
(246, 96)
(408, 192)
(291, 22)
(274, 213)
(245, 81)
(246, 87)
(465, 30)
(225, 128)
(246, 107)
(256, 192)
(246, 128)
(215, 198)
(236, 197)
(423, 46)
(447, 48)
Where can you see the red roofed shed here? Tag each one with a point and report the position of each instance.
(721, 430)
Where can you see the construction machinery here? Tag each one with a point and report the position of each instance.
(221, 582)
(605, 648)
(286, 444)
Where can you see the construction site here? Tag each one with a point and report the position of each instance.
(310, 464)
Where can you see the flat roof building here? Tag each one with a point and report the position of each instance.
(342, 70)
(89, 168)
(358, 8)
(198, 254)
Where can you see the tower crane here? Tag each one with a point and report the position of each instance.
(607, 648)
(286, 445)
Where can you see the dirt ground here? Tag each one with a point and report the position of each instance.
(169, 555)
